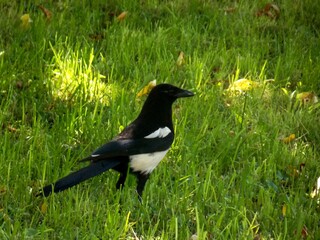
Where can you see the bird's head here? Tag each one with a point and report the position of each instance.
(157, 109)
(168, 91)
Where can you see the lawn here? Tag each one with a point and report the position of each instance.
(245, 161)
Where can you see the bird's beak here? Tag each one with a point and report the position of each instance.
(184, 93)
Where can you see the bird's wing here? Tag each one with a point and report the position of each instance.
(127, 147)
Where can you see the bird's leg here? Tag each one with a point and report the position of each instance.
(122, 179)
(142, 179)
(123, 170)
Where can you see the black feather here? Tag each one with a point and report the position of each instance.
(81, 175)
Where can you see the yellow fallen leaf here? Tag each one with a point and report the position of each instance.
(122, 16)
(289, 139)
(307, 98)
(147, 89)
(180, 60)
(284, 210)
(242, 85)
(25, 21)
(44, 208)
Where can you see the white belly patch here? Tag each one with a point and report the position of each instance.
(147, 162)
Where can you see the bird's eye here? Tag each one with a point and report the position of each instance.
(170, 90)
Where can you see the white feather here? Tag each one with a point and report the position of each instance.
(147, 162)
(155, 134)
(159, 133)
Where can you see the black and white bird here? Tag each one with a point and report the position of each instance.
(138, 148)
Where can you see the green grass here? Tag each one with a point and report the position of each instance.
(228, 175)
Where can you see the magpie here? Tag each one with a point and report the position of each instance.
(138, 149)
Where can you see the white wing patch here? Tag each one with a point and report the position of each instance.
(147, 162)
(159, 133)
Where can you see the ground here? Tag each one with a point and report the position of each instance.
(244, 164)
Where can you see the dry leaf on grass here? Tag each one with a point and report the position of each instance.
(289, 139)
(270, 10)
(304, 233)
(25, 21)
(12, 129)
(122, 16)
(46, 12)
(307, 98)
(180, 60)
(284, 210)
(242, 85)
(44, 208)
(145, 91)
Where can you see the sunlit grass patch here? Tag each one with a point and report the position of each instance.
(73, 77)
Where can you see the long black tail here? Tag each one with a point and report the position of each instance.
(79, 176)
